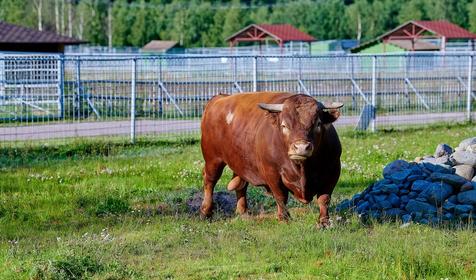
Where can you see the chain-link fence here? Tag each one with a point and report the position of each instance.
(53, 96)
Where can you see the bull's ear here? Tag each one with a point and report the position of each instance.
(329, 116)
(273, 108)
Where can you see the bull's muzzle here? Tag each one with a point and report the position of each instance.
(300, 150)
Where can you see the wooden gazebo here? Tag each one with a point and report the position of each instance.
(416, 35)
(279, 33)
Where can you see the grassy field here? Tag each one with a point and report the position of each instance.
(115, 211)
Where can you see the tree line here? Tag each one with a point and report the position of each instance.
(202, 23)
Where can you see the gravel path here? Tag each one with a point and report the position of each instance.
(114, 128)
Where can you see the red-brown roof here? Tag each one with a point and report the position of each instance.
(159, 45)
(10, 33)
(446, 29)
(280, 32)
(287, 32)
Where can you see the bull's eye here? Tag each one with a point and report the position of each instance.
(317, 126)
(285, 128)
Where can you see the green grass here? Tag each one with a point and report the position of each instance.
(111, 210)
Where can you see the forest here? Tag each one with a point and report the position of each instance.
(201, 23)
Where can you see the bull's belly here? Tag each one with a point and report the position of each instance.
(247, 171)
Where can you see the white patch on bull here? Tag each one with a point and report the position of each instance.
(285, 128)
(229, 117)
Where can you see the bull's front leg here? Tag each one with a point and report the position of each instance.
(323, 202)
(281, 198)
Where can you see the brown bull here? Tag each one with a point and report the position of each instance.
(284, 142)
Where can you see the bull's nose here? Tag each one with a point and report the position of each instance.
(301, 149)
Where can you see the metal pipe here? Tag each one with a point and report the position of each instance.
(374, 93)
(255, 73)
(469, 88)
(133, 101)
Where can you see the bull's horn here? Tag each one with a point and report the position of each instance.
(333, 105)
(273, 108)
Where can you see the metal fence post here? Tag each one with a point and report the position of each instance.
(374, 93)
(255, 73)
(469, 87)
(133, 100)
(61, 85)
(77, 99)
(160, 98)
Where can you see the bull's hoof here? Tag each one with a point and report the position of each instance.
(241, 211)
(324, 225)
(205, 214)
(284, 218)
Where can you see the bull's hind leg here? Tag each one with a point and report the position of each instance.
(211, 174)
(241, 203)
(323, 201)
(240, 186)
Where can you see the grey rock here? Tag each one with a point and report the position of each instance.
(376, 192)
(356, 197)
(464, 216)
(424, 221)
(467, 197)
(399, 177)
(449, 206)
(420, 185)
(465, 171)
(405, 185)
(436, 167)
(444, 160)
(393, 212)
(406, 218)
(395, 166)
(375, 215)
(412, 178)
(443, 150)
(379, 198)
(471, 148)
(394, 200)
(421, 198)
(419, 206)
(464, 158)
(404, 191)
(448, 217)
(363, 207)
(385, 204)
(453, 199)
(467, 187)
(436, 193)
(454, 180)
(466, 142)
(428, 159)
(463, 208)
(371, 200)
(417, 216)
(416, 168)
(392, 188)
